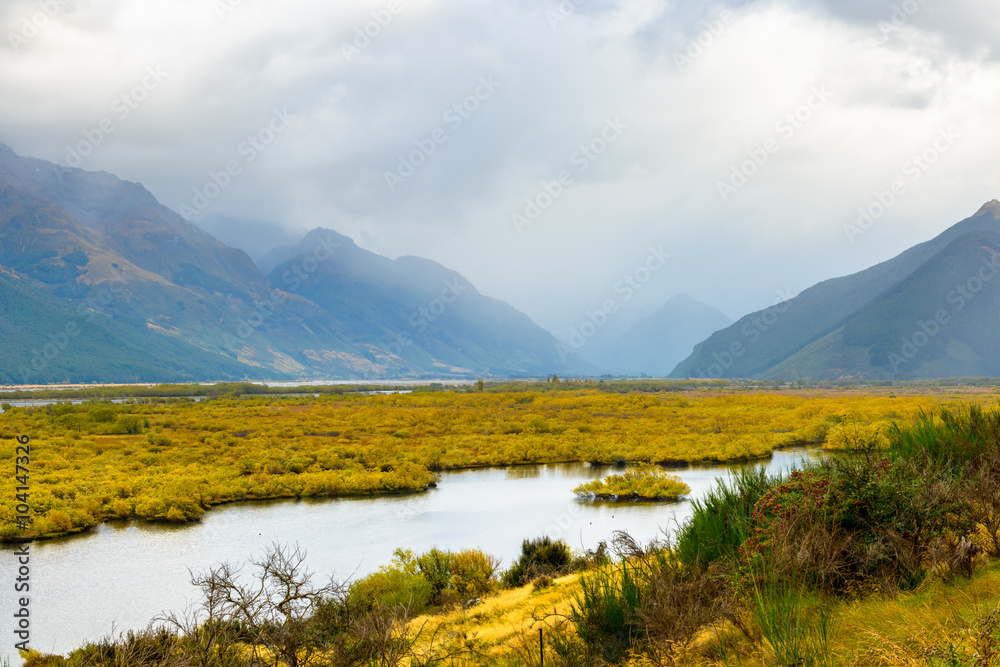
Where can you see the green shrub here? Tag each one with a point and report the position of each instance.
(158, 440)
(473, 573)
(102, 415)
(432, 579)
(541, 556)
(435, 567)
(391, 588)
(128, 425)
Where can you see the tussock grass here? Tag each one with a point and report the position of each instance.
(922, 627)
(721, 521)
(505, 623)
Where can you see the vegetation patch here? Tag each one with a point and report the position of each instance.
(642, 482)
(168, 458)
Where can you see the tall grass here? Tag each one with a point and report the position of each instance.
(794, 625)
(962, 447)
(645, 596)
(606, 612)
(952, 442)
(721, 521)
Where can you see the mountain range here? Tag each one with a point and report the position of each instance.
(100, 282)
(930, 312)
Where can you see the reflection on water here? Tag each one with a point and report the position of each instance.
(42, 402)
(123, 574)
(534, 472)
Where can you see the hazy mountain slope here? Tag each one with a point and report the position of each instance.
(769, 337)
(151, 268)
(130, 221)
(103, 243)
(422, 314)
(658, 342)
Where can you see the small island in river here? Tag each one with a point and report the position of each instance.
(643, 482)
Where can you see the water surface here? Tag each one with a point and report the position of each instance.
(122, 575)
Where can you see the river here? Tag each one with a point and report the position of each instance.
(121, 575)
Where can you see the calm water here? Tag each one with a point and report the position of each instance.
(120, 576)
(42, 402)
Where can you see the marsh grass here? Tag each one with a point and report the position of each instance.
(607, 609)
(641, 482)
(873, 557)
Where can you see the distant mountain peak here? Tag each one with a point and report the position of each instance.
(325, 234)
(992, 206)
(656, 342)
(320, 238)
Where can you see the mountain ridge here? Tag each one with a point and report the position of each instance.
(765, 343)
(88, 237)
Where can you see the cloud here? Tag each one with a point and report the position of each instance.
(699, 88)
(970, 27)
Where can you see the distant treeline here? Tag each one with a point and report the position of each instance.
(207, 390)
(553, 383)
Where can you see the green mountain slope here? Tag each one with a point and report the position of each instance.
(760, 344)
(45, 339)
(940, 321)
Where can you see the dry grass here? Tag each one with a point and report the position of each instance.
(955, 623)
(919, 628)
(502, 624)
(930, 626)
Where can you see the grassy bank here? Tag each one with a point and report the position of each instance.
(940, 623)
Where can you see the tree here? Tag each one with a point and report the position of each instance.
(274, 610)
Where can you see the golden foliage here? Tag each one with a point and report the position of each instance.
(641, 482)
(172, 459)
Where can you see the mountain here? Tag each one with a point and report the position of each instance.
(421, 314)
(97, 245)
(46, 340)
(656, 343)
(106, 244)
(873, 324)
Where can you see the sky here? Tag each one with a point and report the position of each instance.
(738, 151)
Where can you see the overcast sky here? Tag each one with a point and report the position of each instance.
(829, 101)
